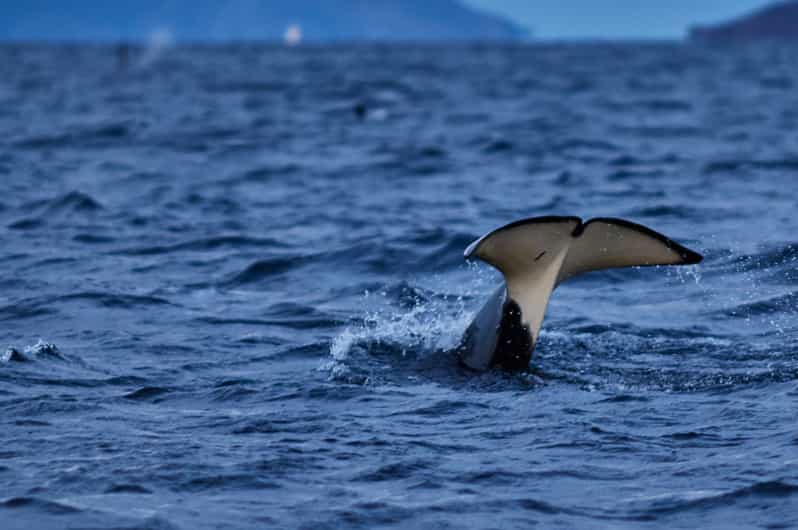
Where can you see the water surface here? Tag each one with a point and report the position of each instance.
(232, 276)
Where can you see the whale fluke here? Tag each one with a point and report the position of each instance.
(535, 255)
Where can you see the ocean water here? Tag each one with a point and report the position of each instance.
(232, 278)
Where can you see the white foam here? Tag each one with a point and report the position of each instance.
(6, 357)
(428, 326)
(41, 347)
(423, 328)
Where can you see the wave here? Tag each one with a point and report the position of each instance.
(780, 258)
(672, 504)
(419, 252)
(781, 305)
(120, 301)
(70, 206)
(72, 202)
(397, 471)
(235, 392)
(289, 315)
(40, 505)
(130, 489)
(268, 173)
(732, 166)
(96, 135)
(147, 393)
(266, 269)
(46, 305)
(93, 239)
(678, 211)
(654, 105)
(232, 242)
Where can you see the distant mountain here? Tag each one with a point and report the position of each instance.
(778, 22)
(201, 20)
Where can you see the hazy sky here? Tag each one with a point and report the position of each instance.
(616, 18)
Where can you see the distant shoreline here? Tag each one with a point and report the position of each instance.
(349, 42)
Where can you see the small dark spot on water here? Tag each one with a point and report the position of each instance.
(25, 224)
(624, 398)
(93, 239)
(32, 423)
(146, 393)
(537, 506)
(128, 488)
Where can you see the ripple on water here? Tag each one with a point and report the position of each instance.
(702, 500)
(38, 504)
(148, 393)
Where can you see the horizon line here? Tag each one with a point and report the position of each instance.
(344, 41)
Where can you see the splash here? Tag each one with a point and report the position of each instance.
(42, 348)
(421, 330)
(409, 323)
(426, 327)
(689, 273)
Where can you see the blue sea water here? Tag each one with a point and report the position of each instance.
(232, 277)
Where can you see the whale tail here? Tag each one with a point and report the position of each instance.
(537, 254)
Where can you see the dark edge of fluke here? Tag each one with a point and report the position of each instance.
(529, 220)
(690, 257)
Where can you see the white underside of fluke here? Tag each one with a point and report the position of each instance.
(537, 254)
